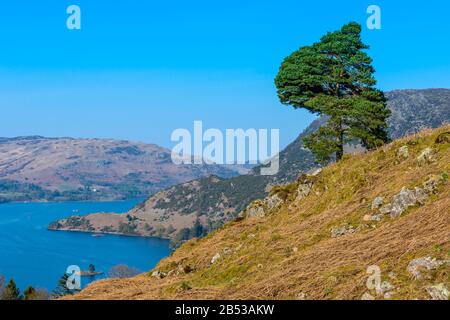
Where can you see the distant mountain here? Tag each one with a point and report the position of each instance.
(210, 202)
(38, 168)
(413, 110)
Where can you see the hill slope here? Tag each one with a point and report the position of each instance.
(212, 201)
(38, 168)
(317, 238)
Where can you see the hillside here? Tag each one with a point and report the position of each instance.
(322, 236)
(58, 169)
(172, 213)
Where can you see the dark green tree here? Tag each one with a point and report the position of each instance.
(197, 230)
(91, 268)
(11, 292)
(62, 289)
(335, 78)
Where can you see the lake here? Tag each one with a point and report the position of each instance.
(32, 255)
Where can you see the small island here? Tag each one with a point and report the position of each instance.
(90, 272)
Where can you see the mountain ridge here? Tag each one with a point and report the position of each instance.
(59, 169)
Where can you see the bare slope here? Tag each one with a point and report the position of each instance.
(316, 238)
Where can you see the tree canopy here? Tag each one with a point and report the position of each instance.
(335, 78)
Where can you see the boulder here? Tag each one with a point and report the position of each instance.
(443, 138)
(438, 292)
(428, 263)
(403, 152)
(367, 296)
(375, 217)
(301, 296)
(401, 201)
(386, 289)
(255, 209)
(260, 208)
(426, 156)
(433, 182)
(342, 231)
(273, 201)
(158, 274)
(216, 257)
(377, 203)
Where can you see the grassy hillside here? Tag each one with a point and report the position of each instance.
(317, 237)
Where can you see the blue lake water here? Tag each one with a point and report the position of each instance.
(32, 255)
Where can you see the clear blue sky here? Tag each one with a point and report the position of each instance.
(140, 69)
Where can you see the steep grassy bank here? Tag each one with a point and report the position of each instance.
(318, 237)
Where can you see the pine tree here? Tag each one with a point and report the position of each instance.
(62, 289)
(334, 78)
(91, 268)
(11, 292)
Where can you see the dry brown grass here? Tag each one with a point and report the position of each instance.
(264, 264)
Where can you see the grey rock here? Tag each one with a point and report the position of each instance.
(403, 152)
(375, 217)
(158, 274)
(342, 231)
(428, 263)
(434, 181)
(443, 138)
(426, 156)
(260, 208)
(301, 296)
(273, 201)
(402, 201)
(386, 289)
(377, 203)
(367, 296)
(216, 257)
(255, 209)
(438, 292)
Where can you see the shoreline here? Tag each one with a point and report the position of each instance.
(72, 201)
(107, 233)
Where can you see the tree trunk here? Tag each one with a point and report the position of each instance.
(340, 152)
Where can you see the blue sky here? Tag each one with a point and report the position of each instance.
(140, 69)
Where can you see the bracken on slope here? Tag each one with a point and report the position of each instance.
(324, 236)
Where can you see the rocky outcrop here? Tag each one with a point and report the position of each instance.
(443, 138)
(280, 195)
(403, 152)
(439, 292)
(417, 266)
(426, 156)
(403, 200)
(342, 230)
(407, 198)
